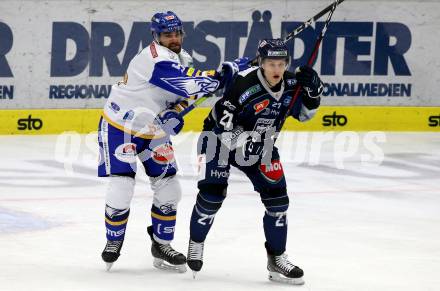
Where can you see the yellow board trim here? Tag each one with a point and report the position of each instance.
(116, 223)
(359, 118)
(161, 217)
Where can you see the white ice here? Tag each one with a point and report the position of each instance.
(355, 223)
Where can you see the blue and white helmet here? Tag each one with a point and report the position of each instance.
(272, 49)
(165, 22)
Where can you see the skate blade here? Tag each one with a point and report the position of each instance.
(194, 274)
(162, 265)
(276, 277)
(108, 266)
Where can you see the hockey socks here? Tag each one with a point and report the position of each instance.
(116, 223)
(163, 224)
(203, 215)
(275, 230)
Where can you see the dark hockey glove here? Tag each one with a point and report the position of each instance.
(170, 121)
(309, 81)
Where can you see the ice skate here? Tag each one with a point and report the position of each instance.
(282, 270)
(165, 257)
(111, 252)
(195, 256)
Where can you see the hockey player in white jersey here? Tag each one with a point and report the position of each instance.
(140, 115)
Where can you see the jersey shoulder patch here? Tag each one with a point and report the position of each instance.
(249, 92)
(247, 86)
(153, 50)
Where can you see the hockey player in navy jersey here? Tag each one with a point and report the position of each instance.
(140, 115)
(240, 131)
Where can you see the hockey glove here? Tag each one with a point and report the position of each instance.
(243, 63)
(309, 81)
(170, 121)
(227, 74)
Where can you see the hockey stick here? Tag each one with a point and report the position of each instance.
(312, 20)
(194, 105)
(308, 23)
(311, 59)
(290, 36)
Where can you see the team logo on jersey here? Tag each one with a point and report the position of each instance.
(163, 154)
(272, 172)
(126, 152)
(249, 92)
(193, 85)
(260, 106)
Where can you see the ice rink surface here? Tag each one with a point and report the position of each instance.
(355, 223)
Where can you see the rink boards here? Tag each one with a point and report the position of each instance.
(387, 56)
(328, 118)
(380, 67)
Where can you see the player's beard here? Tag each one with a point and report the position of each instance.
(175, 47)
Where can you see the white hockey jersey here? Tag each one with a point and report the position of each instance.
(156, 79)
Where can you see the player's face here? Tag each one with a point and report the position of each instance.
(274, 70)
(172, 40)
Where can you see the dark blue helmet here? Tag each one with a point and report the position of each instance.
(165, 22)
(272, 49)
